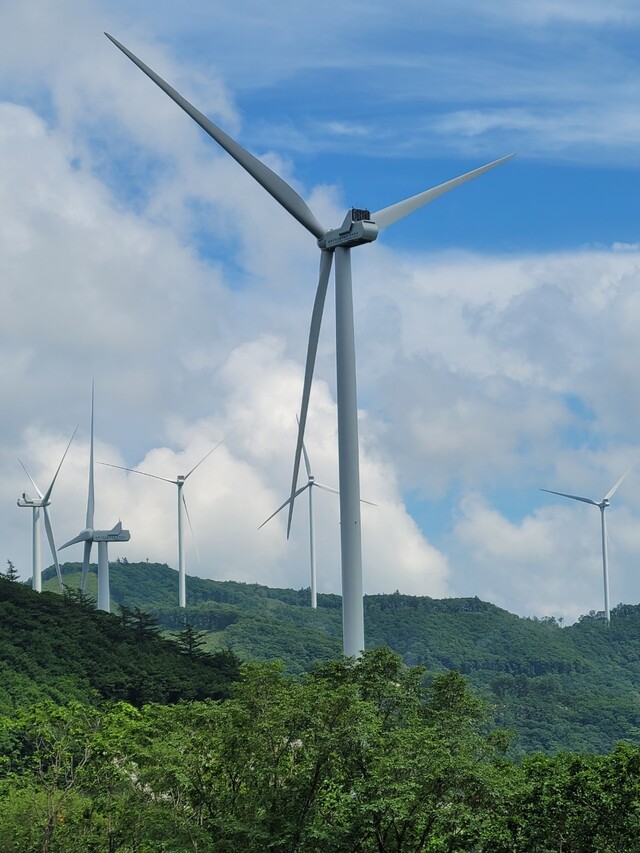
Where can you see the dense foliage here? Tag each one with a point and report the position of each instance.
(363, 757)
(62, 648)
(559, 688)
(115, 738)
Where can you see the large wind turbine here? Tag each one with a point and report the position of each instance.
(359, 227)
(602, 505)
(182, 510)
(42, 502)
(89, 535)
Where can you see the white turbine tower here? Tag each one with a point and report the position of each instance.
(42, 502)
(182, 510)
(602, 506)
(359, 227)
(89, 535)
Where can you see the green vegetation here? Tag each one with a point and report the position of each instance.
(115, 737)
(363, 757)
(61, 648)
(575, 688)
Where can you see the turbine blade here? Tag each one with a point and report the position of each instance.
(83, 536)
(615, 488)
(206, 456)
(47, 494)
(135, 471)
(286, 503)
(307, 464)
(573, 497)
(272, 183)
(326, 259)
(85, 564)
(326, 488)
(193, 535)
(388, 215)
(38, 492)
(336, 492)
(52, 544)
(91, 492)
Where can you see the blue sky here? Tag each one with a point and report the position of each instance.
(496, 328)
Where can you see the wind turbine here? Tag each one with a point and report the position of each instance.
(89, 535)
(182, 509)
(602, 505)
(359, 227)
(42, 502)
(310, 485)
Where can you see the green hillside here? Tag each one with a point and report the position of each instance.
(60, 648)
(575, 688)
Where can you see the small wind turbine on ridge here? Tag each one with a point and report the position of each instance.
(182, 507)
(359, 227)
(42, 502)
(602, 506)
(310, 485)
(102, 537)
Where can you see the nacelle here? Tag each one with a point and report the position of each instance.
(26, 500)
(110, 536)
(357, 228)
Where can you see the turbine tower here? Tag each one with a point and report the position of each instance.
(359, 227)
(182, 510)
(602, 505)
(89, 535)
(42, 502)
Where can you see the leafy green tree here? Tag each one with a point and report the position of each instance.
(581, 803)
(47, 748)
(358, 756)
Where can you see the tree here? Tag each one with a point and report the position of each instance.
(191, 642)
(359, 756)
(46, 749)
(11, 573)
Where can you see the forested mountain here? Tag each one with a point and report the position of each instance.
(559, 688)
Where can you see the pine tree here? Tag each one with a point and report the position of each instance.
(191, 641)
(11, 574)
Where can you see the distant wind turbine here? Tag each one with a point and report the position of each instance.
(310, 485)
(89, 535)
(359, 227)
(602, 505)
(182, 506)
(42, 502)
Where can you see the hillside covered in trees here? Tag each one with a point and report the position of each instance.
(559, 688)
(115, 737)
(358, 757)
(59, 647)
